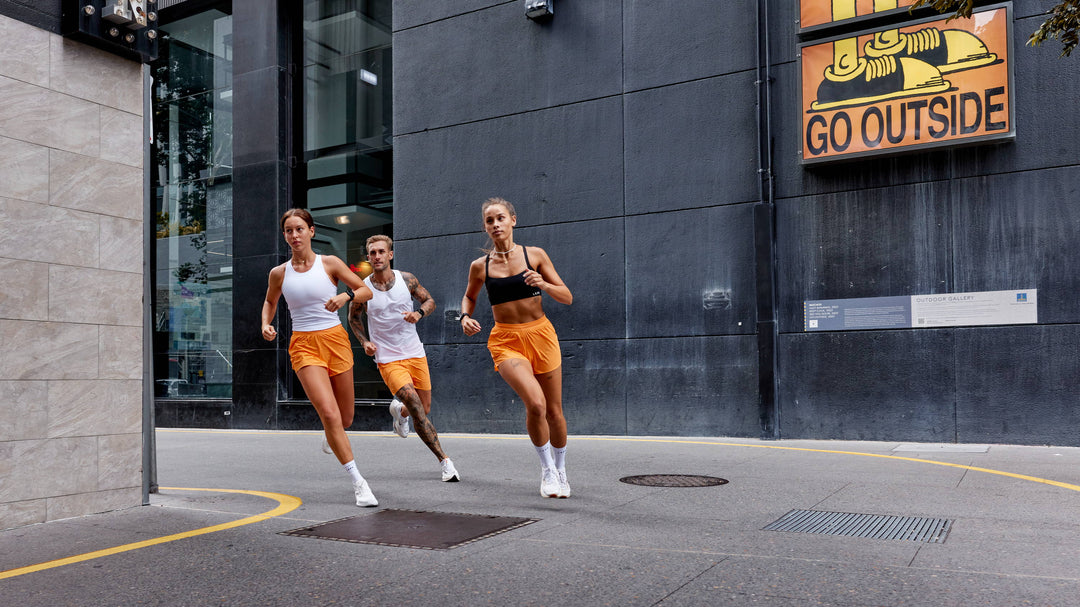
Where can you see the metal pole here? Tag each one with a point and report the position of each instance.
(149, 451)
(765, 239)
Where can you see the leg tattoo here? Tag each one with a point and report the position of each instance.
(421, 423)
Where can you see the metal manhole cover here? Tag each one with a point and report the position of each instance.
(673, 480)
(413, 528)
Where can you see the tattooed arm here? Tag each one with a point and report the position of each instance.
(419, 293)
(356, 322)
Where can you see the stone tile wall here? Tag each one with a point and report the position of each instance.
(71, 273)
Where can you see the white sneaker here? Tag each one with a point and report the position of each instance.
(549, 483)
(449, 472)
(564, 486)
(401, 424)
(326, 447)
(364, 497)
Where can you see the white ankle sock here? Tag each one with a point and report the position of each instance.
(559, 454)
(353, 472)
(544, 451)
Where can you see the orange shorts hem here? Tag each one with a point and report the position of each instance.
(535, 342)
(399, 373)
(329, 348)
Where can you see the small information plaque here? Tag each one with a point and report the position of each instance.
(922, 311)
(985, 308)
(862, 313)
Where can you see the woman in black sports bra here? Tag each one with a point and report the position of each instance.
(523, 344)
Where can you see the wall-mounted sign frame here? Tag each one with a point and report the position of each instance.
(816, 15)
(900, 88)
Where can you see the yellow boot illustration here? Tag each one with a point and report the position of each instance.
(855, 80)
(947, 50)
(878, 79)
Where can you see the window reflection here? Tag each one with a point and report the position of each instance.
(348, 144)
(191, 177)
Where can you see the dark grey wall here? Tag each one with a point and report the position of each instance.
(262, 191)
(575, 121)
(983, 218)
(626, 132)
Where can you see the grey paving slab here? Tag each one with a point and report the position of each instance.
(924, 448)
(1014, 541)
(864, 584)
(533, 572)
(34, 544)
(1038, 551)
(722, 539)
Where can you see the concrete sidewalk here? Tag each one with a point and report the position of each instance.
(1014, 537)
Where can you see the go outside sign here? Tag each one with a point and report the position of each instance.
(904, 86)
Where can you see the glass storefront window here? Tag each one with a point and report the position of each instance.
(348, 137)
(191, 177)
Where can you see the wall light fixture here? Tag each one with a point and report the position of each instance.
(539, 10)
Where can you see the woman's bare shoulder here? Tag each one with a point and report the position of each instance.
(537, 252)
(277, 274)
(332, 261)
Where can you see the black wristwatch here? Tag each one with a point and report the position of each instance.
(350, 293)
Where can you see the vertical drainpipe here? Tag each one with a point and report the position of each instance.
(149, 450)
(765, 239)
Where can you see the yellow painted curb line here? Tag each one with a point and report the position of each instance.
(1025, 477)
(286, 503)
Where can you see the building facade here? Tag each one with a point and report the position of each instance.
(71, 255)
(660, 153)
(656, 150)
(667, 155)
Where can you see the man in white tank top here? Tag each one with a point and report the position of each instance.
(397, 348)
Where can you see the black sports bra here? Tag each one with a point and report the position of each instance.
(509, 288)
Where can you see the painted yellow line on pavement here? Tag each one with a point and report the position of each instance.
(1025, 477)
(286, 503)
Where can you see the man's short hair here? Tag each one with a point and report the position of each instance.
(376, 238)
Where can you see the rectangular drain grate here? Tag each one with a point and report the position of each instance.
(876, 526)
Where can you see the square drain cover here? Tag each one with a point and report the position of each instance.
(413, 528)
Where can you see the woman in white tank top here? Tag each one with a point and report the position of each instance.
(320, 349)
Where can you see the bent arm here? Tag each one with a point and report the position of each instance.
(356, 321)
(340, 272)
(469, 325)
(548, 279)
(357, 311)
(269, 307)
(419, 293)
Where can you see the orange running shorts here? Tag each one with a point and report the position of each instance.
(533, 341)
(329, 348)
(399, 373)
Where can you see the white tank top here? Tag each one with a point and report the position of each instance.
(307, 294)
(395, 338)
